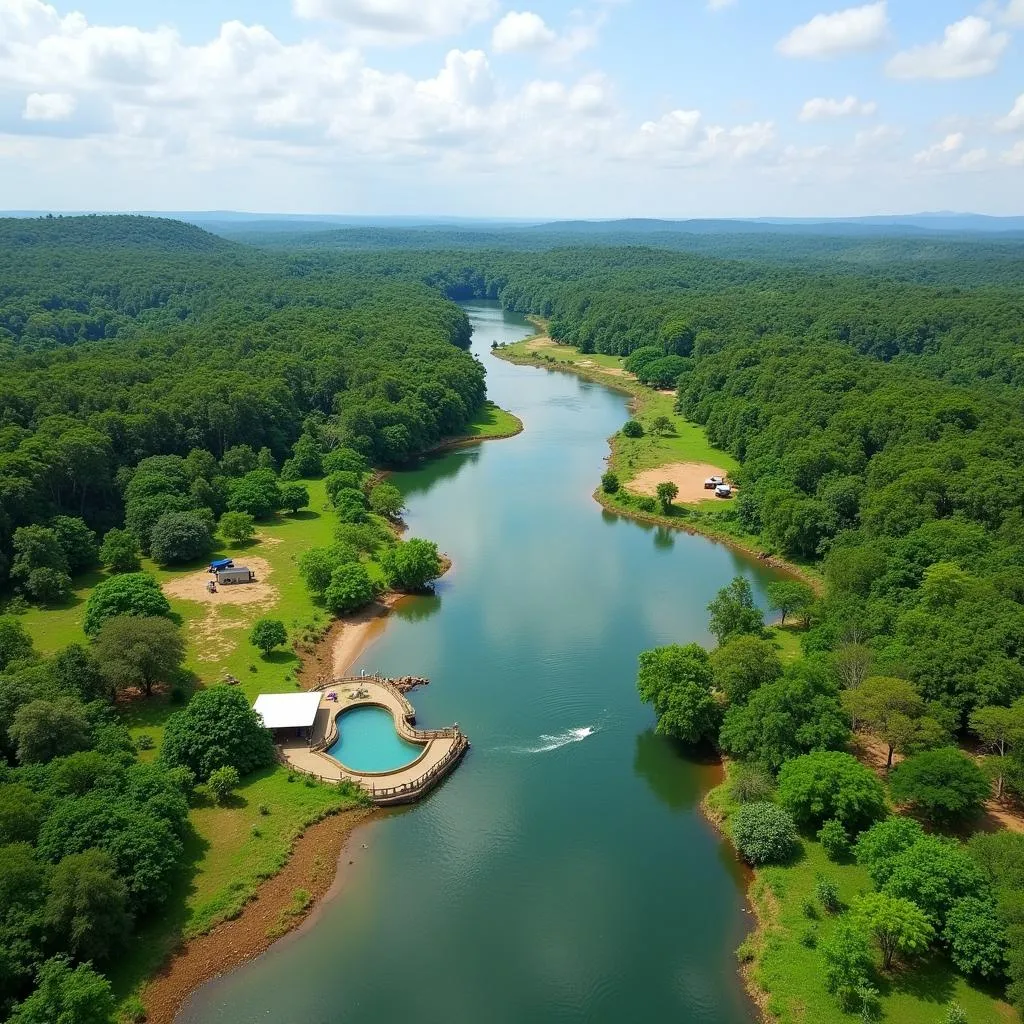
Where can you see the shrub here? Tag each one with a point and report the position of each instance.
(827, 893)
(847, 957)
(610, 483)
(834, 840)
(144, 741)
(763, 833)
(975, 937)
(750, 784)
(267, 634)
(943, 785)
(132, 593)
(632, 428)
(831, 785)
(223, 782)
(237, 527)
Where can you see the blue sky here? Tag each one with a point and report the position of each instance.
(539, 108)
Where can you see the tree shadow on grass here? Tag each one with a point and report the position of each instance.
(303, 515)
(281, 658)
(931, 981)
(159, 933)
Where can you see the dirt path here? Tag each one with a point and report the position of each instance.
(312, 867)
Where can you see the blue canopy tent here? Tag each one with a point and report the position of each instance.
(221, 563)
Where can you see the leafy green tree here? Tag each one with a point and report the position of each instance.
(139, 651)
(412, 565)
(743, 664)
(350, 589)
(632, 428)
(21, 814)
(22, 892)
(316, 566)
(216, 728)
(75, 670)
(387, 500)
(179, 537)
(1000, 730)
(943, 785)
(43, 730)
(790, 597)
(37, 547)
(878, 847)
(223, 782)
(141, 514)
(293, 497)
(344, 460)
(341, 481)
(831, 785)
(733, 611)
(257, 493)
(763, 833)
(238, 461)
(120, 552)
(86, 909)
(15, 643)
(266, 634)
(47, 586)
(77, 541)
(848, 963)
(893, 710)
(66, 995)
(956, 1014)
(667, 493)
(677, 681)
(610, 482)
(976, 937)
(898, 926)
(132, 593)
(834, 840)
(237, 527)
(307, 456)
(662, 425)
(797, 714)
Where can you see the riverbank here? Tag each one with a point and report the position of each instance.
(631, 457)
(280, 904)
(490, 424)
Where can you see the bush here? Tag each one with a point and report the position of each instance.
(632, 428)
(267, 634)
(763, 833)
(848, 963)
(827, 893)
(610, 483)
(944, 786)
(132, 593)
(237, 527)
(223, 782)
(179, 537)
(750, 784)
(834, 840)
(831, 785)
(215, 729)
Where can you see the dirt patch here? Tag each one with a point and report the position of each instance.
(689, 477)
(312, 866)
(543, 341)
(193, 587)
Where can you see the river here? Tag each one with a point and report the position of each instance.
(564, 872)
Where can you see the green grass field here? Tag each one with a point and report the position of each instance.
(791, 973)
(492, 421)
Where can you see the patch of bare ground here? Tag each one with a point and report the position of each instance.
(312, 867)
(689, 477)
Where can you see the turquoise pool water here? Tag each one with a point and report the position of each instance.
(367, 742)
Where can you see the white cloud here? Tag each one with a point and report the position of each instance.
(1014, 13)
(1014, 155)
(398, 20)
(819, 108)
(1014, 120)
(681, 139)
(973, 159)
(826, 35)
(952, 143)
(49, 106)
(521, 30)
(968, 48)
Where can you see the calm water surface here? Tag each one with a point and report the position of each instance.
(563, 873)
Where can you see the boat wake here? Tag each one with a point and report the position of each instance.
(562, 739)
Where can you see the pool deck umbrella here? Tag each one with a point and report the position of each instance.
(294, 712)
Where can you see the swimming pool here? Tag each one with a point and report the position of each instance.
(368, 741)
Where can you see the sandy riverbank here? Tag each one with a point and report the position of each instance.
(312, 866)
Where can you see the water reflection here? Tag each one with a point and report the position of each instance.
(437, 470)
(418, 608)
(668, 770)
(664, 538)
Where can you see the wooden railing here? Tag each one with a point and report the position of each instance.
(411, 790)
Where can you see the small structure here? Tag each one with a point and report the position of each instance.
(723, 491)
(288, 715)
(235, 574)
(712, 482)
(220, 563)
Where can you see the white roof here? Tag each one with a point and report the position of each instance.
(287, 710)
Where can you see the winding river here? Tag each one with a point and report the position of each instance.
(564, 872)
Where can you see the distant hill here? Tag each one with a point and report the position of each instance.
(114, 231)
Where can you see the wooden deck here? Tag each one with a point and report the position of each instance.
(442, 748)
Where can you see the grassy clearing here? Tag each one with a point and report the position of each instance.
(493, 422)
(790, 973)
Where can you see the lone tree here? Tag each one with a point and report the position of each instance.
(294, 497)
(662, 425)
(267, 634)
(131, 593)
(1000, 730)
(733, 611)
(943, 785)
(667, 493)
(632, 428)
(216, 728)
(790, 597)
(610, 482)
(139, 651)
(677, 681)
(237, 527)
(223, 782)
(899, 927)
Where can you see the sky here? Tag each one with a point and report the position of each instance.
(531, 109)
